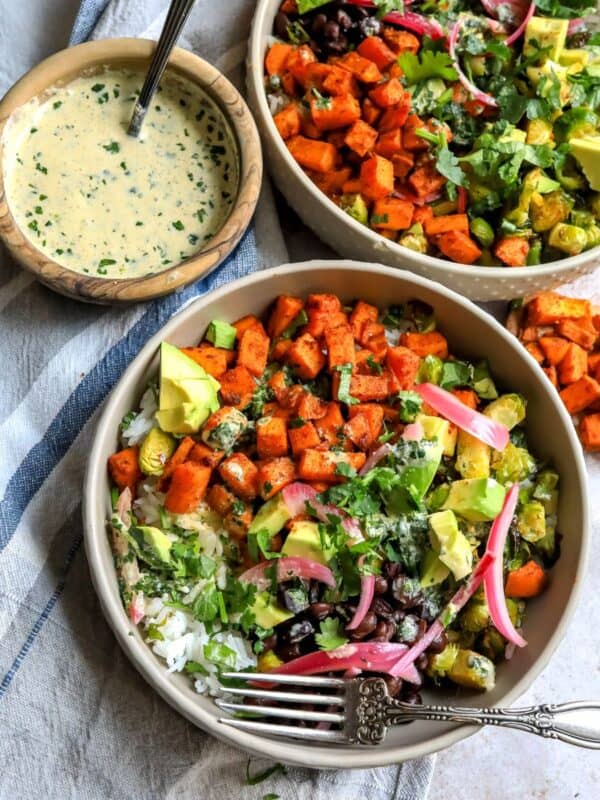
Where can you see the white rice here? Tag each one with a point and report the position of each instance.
(184, 639)
(143, 421)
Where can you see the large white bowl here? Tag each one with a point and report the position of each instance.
(353, 240)
(472, 333)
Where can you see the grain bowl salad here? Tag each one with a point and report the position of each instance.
(462, 129)
(330, 490)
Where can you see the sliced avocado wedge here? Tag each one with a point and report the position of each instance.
(586, 151)
(267, 612)
(542, 33)
(476, 499)
(433, 571)
(450, 544)
(188, 394)
(472, 456)
(271, 517)
(157, 541)
(304, 541)
(440, 429)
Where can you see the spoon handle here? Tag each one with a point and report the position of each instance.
(177, 15)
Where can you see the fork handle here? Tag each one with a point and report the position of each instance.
(576, 723)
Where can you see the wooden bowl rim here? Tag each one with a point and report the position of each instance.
(63, 67)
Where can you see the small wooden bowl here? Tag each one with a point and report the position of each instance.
(91, 57)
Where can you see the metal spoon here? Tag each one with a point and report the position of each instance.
(177, 15)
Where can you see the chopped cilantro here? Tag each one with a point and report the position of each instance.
(113, 147)
(331, 634)
(178, 225)
(411, 403)
(429, 64)
(343, 394)
(259, 777)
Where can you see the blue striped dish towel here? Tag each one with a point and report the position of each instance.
(77, 721)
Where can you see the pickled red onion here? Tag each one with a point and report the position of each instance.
(478, 425)
(494, 577)
(487, 99)
(288, 567)
(365, 656)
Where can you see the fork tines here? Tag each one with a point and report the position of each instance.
(328, 717)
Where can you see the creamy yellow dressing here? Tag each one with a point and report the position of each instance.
(103, 203)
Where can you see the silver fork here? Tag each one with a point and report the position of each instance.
(364, 711)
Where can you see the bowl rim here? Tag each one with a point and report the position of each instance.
(155, 672)
(255, 80)
(119, 52)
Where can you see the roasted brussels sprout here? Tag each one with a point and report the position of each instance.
(440, 663)
(354, 205)
(547, 210)
(512, 464)
(569, 239)
(156, 449)
(482, 231)
(531, 521)
(475, 617)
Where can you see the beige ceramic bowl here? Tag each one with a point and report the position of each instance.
(92, 57)
(353, 240)
(471, 333)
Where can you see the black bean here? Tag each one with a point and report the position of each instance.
(367, 626)
(391, 569)
(422, 627)
(280, 25)
(384, 631)
(381, 585)
(394, 685)
(270, 643)
(318, 24)
(288, 652)
(422, 661)
(320, 610)
(413, 698)
(382, 608)
(300, 630)
(331, 30)
(343, 19)
(439, 643)
(293, 600)
(314, 592)
(399, 615)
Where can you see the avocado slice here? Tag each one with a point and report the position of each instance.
(476, 499)
(571, 57)
(355, 206)
(157, 541)
(473, 671)
(472, 456)
(433, 571)
(508, 410)
(267, 612)
(451, 545)
(304, 541)
(542, 33)
(586, 151)
(271, 517)
(440, 429)
(188, 394)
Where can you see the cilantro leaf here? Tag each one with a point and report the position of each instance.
(428, 65)
(331, 634)
(456, 373)
(343, 394)
(410, 405)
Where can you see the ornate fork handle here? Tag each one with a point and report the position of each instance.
(576, 723)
